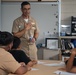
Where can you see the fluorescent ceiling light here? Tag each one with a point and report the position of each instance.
(65, 25)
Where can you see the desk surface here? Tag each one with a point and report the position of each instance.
(42, 69)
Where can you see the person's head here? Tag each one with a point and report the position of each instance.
(16, 43)
(25, 8)
(6, 40)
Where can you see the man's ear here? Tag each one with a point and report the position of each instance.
(10, 46)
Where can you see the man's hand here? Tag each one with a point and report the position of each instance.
(27, 26)
(30, 64)
(22, 64)
(34, 62)
(29, 68)
(33, 40)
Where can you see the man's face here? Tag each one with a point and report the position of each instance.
(26, 10)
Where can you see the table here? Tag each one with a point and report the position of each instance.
(44, 70)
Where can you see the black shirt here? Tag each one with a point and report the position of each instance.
(74, 62)
(20, 56)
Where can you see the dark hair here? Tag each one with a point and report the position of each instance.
(5, 38)
(16, 42)
(24, 3)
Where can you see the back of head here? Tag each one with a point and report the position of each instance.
(16, 42)
(5, 38)
(24, 3)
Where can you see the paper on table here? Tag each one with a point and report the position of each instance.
(63, 73)
(39, 62)
(56, 64)
(34, 69)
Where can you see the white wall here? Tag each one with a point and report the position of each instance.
(44, 12)
(68, 9)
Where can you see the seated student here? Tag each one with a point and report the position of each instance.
(7, 62)
(18, 54)
(71, 62)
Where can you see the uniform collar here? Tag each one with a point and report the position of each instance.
(23, 18)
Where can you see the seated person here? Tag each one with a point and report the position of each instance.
(71, 62)
(7, 62)
(19, 55)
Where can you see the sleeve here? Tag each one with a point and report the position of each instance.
(2, 72)
(24, 58)
(37, 28)
(15, 27)
(74, 62)
(10, 64)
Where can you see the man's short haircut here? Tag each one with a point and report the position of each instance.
(5, 38)
(16, 42)
(24, 3)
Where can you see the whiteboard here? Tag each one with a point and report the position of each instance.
(0, 14)
(45, 13)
